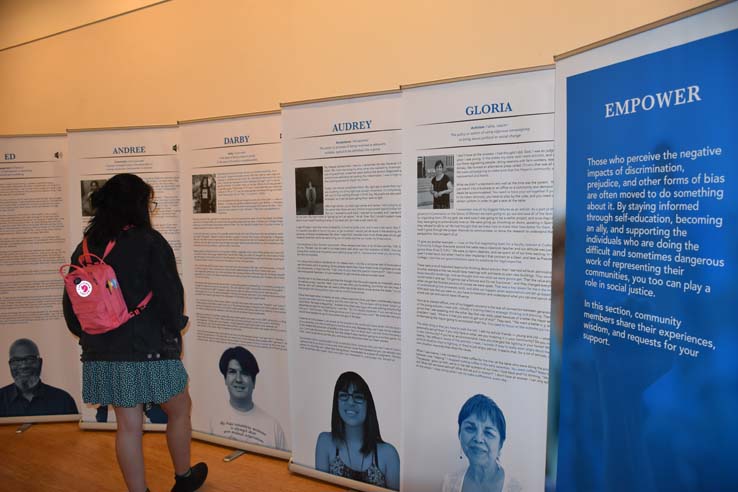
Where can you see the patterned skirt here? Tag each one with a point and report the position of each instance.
(126, 384)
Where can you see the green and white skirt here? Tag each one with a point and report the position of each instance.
(126, 384)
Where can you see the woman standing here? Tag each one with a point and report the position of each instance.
(354, 448)
(207, 198)
(139, 362)
(441, 187)
(311, 195)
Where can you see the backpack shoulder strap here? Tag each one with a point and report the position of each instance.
(109, 248)
(142, 305)
(86, 249)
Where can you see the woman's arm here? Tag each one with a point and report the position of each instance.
(323, 448)
(449, 188)
(166, 285)
(389, 462)
(69, 316)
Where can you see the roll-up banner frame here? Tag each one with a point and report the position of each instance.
(228, 117)
(116, 128)
(485, 135)
(339, 98)
(351, 485)
(230, 168)
(310, 164)
(476, 77)
(232, 443)
(74, 237)
(647, 27)
(40, 419)
(33, 172)
(660, 358)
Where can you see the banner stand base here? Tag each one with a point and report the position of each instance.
(234, 455)
(111, 426)
(23, 428)
(251, 448)
(351, 485)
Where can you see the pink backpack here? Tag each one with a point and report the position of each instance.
(95, 293)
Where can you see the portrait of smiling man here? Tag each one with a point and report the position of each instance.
(242, 419)
(28, 395)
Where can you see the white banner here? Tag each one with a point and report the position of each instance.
(97, 155)
(478, 171)
(42, 371)
(342, 197)
(231, 199)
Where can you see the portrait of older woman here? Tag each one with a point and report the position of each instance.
(482, 432)
(354, 447)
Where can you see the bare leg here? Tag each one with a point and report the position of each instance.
(129, 446)
(179, 430)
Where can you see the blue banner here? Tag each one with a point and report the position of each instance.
(649, 397)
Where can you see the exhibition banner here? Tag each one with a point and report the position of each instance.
(477, 216)
(233, 256)
(41, 380)
(650, 353)
(342, 195)
(97, 155)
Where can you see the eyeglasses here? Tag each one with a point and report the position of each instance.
(152, 206)
(17, 361)
(358, 398)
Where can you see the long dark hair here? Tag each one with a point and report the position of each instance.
(123, 200)
(371, 425)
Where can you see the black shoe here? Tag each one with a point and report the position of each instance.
(193, 481)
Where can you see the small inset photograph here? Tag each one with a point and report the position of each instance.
(203, 194)
(309, 190)
(88, 187)
(436, 181)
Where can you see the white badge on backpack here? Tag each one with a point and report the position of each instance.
(84, 288)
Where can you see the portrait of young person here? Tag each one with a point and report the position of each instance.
(354, 448)
(242, 419)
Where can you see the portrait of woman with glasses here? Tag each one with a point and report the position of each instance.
(354, 447)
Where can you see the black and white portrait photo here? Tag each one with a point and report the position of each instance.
(242, 419)
(309, 190)
(435, 182)
(88, 187)
(482, 431)
(27, 395)
(354, 448)
(203, 194)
